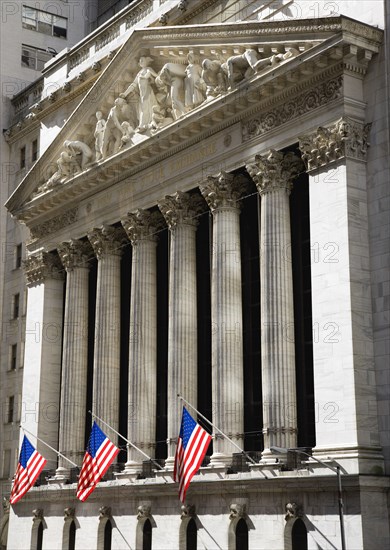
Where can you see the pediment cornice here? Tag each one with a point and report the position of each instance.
(323, 48)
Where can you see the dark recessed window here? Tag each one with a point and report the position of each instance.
(44, 22)
(34, 58)
(34, 150)
(14, 353)
(16, 306)
(11, 408)
(23, 157)
(18, 256)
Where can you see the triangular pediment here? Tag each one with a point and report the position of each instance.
(192, 79)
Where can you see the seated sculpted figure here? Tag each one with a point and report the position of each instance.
(79, 151)
(214, 78)
(142, 87)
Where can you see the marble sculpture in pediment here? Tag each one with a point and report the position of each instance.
(156, 98)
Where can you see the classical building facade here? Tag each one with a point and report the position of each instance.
(208, 218)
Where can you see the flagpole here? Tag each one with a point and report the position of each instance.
(127, 441)
(218, 430)
(50, 447)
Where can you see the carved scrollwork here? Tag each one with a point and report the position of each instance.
(105, 512)
(55, 224)
(37, 514)
(224, 190)
(292, 108)
(142, 224)
(345, 138)
(188, 511)
(237, 511)
(42, 266)
(181, 208)
(293, 511)
(144, 511)
(75, 253)
(275, 171)
(107, 240)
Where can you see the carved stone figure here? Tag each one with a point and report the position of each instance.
(214, 78)
(193, 85)
(128, 132)
(99, 132)
(171, 79)
(79, 152)
(159, 118)
(113, 130)
(245, 65)
(142, 86)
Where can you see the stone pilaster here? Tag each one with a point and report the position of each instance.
(343, 349)
(273, 175)
(180, 211)
(75, 256)
(222, 194)
(42, 364)
(141, 228)
(107, 243)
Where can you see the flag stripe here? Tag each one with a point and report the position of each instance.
(96, 462)
(191, 448)
(26, 477)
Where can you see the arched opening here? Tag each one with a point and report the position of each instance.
(191, 535)
(40, 536)
(147, 536)
(107, 535)
(72, 536)
(241, 535)
(299, 535)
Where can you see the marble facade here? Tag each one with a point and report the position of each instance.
(115, 210)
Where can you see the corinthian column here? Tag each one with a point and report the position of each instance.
(75, 256)
(222, 194)
(107, 243)
(273, 175)
(180, 212)
(141, 228)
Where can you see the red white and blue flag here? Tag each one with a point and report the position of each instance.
(97, 459)
(190, 451)
(30, 465)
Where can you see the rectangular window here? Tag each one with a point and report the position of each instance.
(44, 22)
(16, 306)
(18, 256)
(14, 355)
(11, 407)
(34, 150)
(23, 157)
(34, 58)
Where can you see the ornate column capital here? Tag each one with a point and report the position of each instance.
(144, 511)
(224, 190)
(107, 240)
(75, 253)
(181, 208)
(105, 512)
(69, 514)
(188, 511)
(142, 225)
(293, 511)
(275, 171)
(346, 138)
(42, 266)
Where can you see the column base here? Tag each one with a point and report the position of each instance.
(131, 471)
(62, 475)
(220, 460)
(269, 457)
(357, 459)
(169, 463)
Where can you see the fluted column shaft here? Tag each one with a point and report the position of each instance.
(222, 194)
(107, 244)
(75, 257)
(141, 228)
(179, 212)
(273, 176)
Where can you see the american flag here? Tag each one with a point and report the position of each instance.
(191, 447)
(30, 465)
(97, 459)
